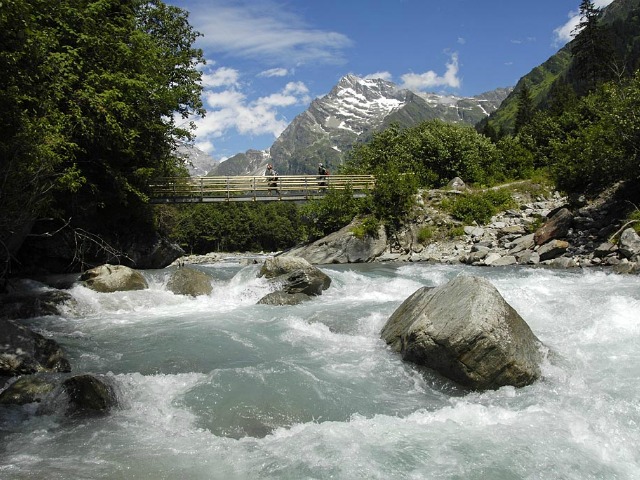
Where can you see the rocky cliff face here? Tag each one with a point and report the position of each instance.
(252, 162)
(353, 110)
(196, 161)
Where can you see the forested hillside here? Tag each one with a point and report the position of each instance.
(607, 49)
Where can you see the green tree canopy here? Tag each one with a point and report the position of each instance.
(93, 93)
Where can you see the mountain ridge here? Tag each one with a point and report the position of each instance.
(351, 112)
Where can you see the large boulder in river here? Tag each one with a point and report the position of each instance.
(113, 278)
(343, 246)
(468, 333)
(296, 274)
(294, 277)
(189, 281)
(23, 351)
(88, 394)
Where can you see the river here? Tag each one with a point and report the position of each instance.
(217, 387)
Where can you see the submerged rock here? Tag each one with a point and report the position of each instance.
(113, 278)
(33, 304)
(468, 333)
(59, 393)
(23, 351)
(28, 389)
(283, 298)
(88, 394)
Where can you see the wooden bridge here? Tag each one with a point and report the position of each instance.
(253, 189)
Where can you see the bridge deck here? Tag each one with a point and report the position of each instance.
(258, 188)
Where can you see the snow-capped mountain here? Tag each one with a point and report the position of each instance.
(353, 110)
(195, 160)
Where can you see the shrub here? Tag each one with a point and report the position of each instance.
(367, 228)
(425, 234)
(478, 207)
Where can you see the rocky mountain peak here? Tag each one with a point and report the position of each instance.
(354, 109)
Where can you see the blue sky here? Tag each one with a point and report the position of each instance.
(268, 59)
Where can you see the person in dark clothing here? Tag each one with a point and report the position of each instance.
(272, 178)
(323, 172)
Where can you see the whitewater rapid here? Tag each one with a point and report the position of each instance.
(217, 387)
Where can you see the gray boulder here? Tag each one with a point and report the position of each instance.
(113, 278)
(189, 281)
(343, 246)
(23, 351)
(468, 333)
(294, 276)
(629, 243)
(552, 249)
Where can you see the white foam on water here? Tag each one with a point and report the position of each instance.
(352, 408)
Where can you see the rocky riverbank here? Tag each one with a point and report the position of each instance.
(546, 229)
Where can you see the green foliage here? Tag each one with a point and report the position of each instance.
(434, 151)
(635, 218)
(602, 136)
(368, 227)
(329, 214)
(425, 234)
(89, 91)
(478, 207)
(393, 196)
(456, 231)
(517, 160)
(591, 49)
(525, 110)
(203, 228)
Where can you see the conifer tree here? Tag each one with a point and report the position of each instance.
(591, 48)
(525, 107)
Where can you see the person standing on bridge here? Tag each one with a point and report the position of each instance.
(272, 178)
(323, 172)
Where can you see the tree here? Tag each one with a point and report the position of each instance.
(90, 91)
(525, 110)
(591, 49)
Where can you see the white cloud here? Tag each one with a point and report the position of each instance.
(430, 79)
(220, 77)
(230, 110)
(382, 75)
(563, 33)
(264, 31)
(274, 72)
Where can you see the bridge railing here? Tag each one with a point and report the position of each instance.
(255, 188)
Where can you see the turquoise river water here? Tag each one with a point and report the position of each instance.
(217, 387)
